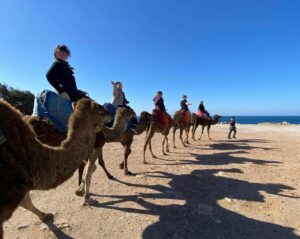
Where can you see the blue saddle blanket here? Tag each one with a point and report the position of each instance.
(54, 107)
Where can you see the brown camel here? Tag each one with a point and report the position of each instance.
(126, 139)
(183, 125)
(204, 122)
(117, 133)
(156, 127)
(49, 135)
(27, 164)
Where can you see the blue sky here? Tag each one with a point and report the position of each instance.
(242, 57)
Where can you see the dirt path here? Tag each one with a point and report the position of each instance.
(246, 188)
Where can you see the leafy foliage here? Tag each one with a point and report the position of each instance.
(22, 100)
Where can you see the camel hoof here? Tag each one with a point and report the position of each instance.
(89, 202)
(127, 172)
(109, 176)
(145, 162)
(154, 156)
(165, 154)
(46, 217)
(121, 166)
(80, 191)
(174, 147)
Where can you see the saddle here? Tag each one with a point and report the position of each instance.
(163, 117)
(54, 108)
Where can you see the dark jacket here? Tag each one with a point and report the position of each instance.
(61, 77)
(232, 124)
(159, 104)
(201, 108)
(183, 105)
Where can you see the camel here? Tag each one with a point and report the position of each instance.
(27, 164)
(118, 133)
(182, 125)
(51, 136)
(126, 139)
(156, 127)
(204, 122)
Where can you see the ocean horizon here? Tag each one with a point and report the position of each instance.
(262, 119)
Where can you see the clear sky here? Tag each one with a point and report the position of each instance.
(242, 57)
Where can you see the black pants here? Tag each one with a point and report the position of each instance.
(234, 133)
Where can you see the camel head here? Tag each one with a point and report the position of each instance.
(145, 116)
(216, 119)
(88, 108)
(124, 112)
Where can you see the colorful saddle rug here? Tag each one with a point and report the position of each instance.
(201, 114)
(53, 107)
(163, 117)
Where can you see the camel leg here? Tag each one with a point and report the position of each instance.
(149, 134)
(127, 152)
(150, 148)
(186, 141)
(180, 135)
(163, 146)
(80, 172)
(174, 131)
(88, 179)
(92, 159)
(27, 204)
(194, 131)
(201, 133)
(167, 146)
(102, 164)
(208, 129)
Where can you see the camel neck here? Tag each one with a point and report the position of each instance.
(141, 127)
(116, 131)
(59, 163)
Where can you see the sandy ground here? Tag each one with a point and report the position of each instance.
(244, 188)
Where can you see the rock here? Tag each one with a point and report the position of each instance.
(23, 226)
(228, 200)
(43, 227)
(63, 224)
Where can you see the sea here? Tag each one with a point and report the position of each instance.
(262, 119)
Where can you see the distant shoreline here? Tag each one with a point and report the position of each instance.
(264, 120)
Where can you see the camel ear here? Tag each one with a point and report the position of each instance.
(94, 106)
(74, 105)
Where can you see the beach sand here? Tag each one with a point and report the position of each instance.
(244, 188)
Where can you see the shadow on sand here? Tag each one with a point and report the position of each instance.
(201, 216)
